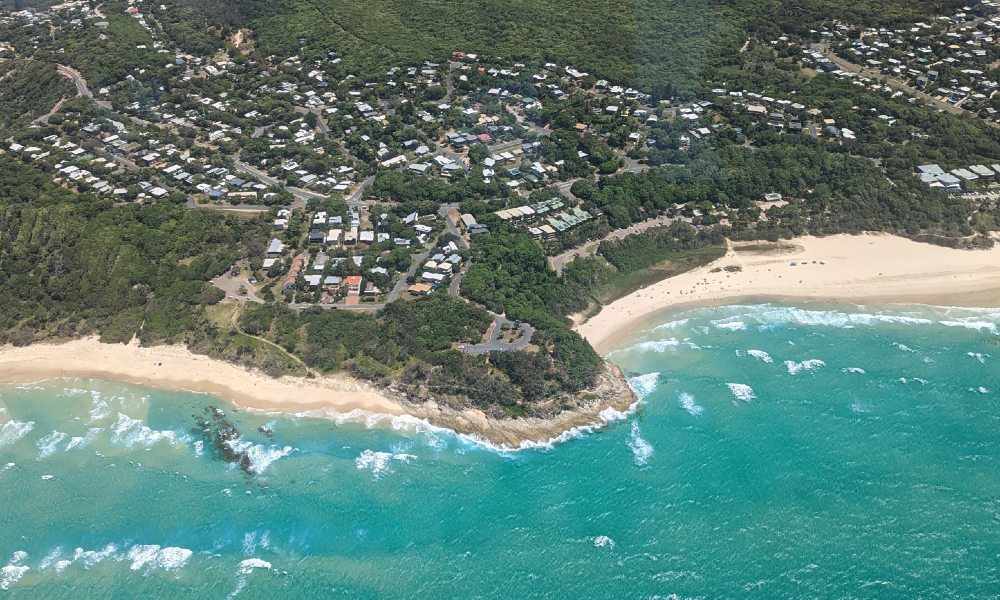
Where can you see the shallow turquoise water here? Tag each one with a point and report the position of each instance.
(865, 466)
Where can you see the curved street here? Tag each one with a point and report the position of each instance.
(495, 345)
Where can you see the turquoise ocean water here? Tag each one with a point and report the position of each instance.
(827, 452)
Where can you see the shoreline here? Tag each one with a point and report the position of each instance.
(864, 269)
(175, 368)
(861, 269)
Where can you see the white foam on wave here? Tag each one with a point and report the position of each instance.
(247, 567)
(858, 370)
(129, 432)
(904, 380)
(100, 409)
(642, 450)
(644, 385)
(612, 414)
(742, 391)
(794, 368)
(903, 347)
(729, 324)
(603, 541)
(11, 431)
(85, 558)
(672, 325)
(85, 440)
(260, 456)
(973, 324)
(772, 314)
(432, 435)
(14, 570)
(658, 346)
(979, 356)
(254, 541)
(761, 356)
(50, 559)
(379, 462)
(49, 443)
(686, 401)
(152, 557)
(250, 564)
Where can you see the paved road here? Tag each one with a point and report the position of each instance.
(633, 166)
(301, 196)
(81, 84)
(495, 345)
(454, 290)
(565, 188)
(449, 81)
(354, 200)
(401, 285)
(450, 226)
(231, 286)
(528, 125)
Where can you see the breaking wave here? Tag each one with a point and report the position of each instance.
(603, 541)
(14, 570)
(642, 450)
(435, 435)
(771, 314)
(761, 355)
(50, 443)
(686, 401)
(11, 431)
(794, 368)
(730, 324)
(85, 440)
(672, 325)
(379, 463)
(152, 557)
(742, 391)
(246, 568)
(129, 432)
(260, 457)
(652, 346)
(979, 356)
(644, 385)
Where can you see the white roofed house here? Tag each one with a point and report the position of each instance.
(275, 247)
(983, 171)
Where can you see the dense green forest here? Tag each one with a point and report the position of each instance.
(71, 265)
(106, 56)
(29, 89)
(411, 346)
(661, 45)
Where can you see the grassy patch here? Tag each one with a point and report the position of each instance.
(679, 262)
(242, 348)
(221, 315)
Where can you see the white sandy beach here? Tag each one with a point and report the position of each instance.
(863, 269)
(176, 368)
